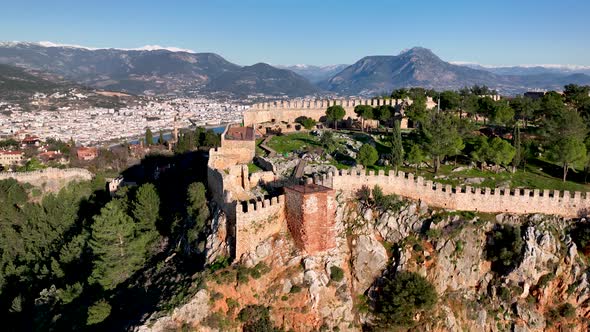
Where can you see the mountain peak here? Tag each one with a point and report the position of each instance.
(417, 50)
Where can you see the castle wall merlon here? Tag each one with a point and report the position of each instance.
(468, 198)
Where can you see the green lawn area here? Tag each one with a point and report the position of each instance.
(539, 174)
(296, 141)
(259, 150)
(253, 168)
(532, 178)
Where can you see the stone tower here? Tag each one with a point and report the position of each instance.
(311, 209)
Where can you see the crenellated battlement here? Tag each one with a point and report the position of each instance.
(466, 198)
(320, 103)
(289, 110)
(257, 221)
(260, 206)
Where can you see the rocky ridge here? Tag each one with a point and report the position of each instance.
(446, 247)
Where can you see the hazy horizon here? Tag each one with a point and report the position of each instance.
(503, 33)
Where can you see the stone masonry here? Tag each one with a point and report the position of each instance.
(308, 211)
(466, 198)
(289, 110)
(310, 216)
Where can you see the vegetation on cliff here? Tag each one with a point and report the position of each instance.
(78, 257)
(402, 296)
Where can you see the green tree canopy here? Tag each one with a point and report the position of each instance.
(306, 122)
(516, 142)
(552, 104)
(328, 142)
(480, 150)
(197, 210)
(450, 101)
(399, 94)
(402, 296)
(335, 113)
(210, 139)
(441, 138)
(384, 113)
(149, 137)
(577, 96)
(524, 108)
(161, 138)
(469, 104)
(367, 155)
(502, 114)
(146, 209)
(482, 90)
(118, 253)
(416, 156)
(565, 133)
(98, 312)
(504, 248)
(500, 152)
(486, 107)
(364, 112)
(417, 110)
(570, 152)
(397, 149)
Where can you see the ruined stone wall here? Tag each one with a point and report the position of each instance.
(261, 177)
(232, 153)
(265, 164)
(465, 198)
(310, 219)
(38, 178)
(289, 110)
(258, 221)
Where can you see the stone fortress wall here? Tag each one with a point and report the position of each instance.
(231, 152)
(289, 110)
(255, 222)
(40, 177)
(464, 198)
(251, 218)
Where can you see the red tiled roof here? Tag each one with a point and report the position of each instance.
(240, 133)
(30, 139)
(10, 152)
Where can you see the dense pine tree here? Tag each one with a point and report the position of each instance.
(146, 208)
(197, 209)
(118, 253)
(397, 149)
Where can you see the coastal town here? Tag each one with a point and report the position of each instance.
(93, 125)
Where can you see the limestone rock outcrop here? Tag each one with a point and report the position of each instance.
(217, 244)
(369, 259)
(190, 314)
(547, 289)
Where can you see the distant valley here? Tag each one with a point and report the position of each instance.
(315, 74)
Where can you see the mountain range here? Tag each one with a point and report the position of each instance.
(315, 74)
(529, 69)
(156, 71)
(16, 83)
(421, 67)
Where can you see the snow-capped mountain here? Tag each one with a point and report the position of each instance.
(313, 73)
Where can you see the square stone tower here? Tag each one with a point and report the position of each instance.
(311, 210)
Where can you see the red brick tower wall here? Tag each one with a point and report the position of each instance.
(310, 217)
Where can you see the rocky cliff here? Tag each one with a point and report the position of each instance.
(541, 286)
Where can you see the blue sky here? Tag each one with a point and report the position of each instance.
(315, 32)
